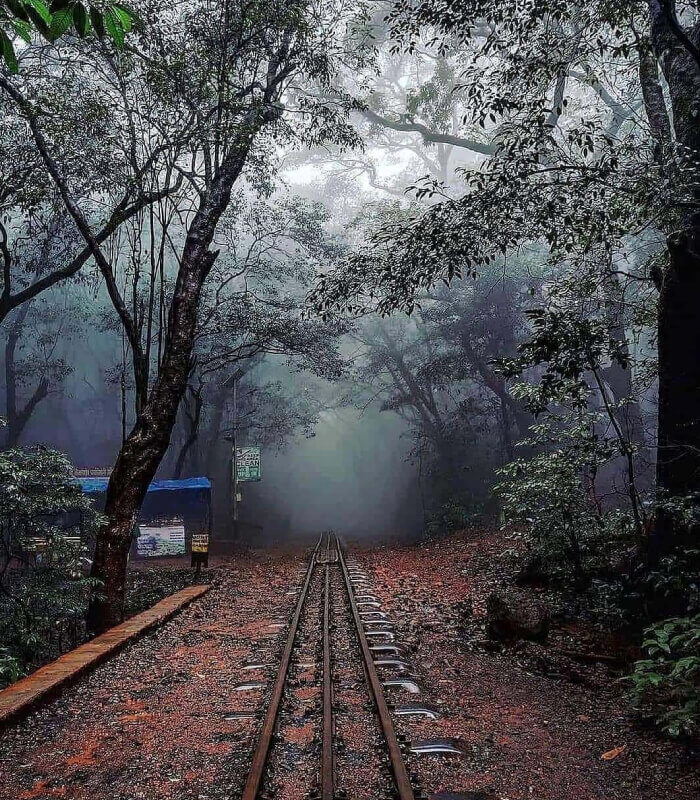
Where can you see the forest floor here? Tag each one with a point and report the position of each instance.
(163, 718)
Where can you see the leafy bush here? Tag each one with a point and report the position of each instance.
(666, 685)
(451, 516)
(46, 528)
(674, 582)
(553, 497)
(10, 668)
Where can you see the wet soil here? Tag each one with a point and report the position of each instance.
(523, 733)
(166, 717)
(163, 718)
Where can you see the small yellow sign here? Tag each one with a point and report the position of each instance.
(200, 542)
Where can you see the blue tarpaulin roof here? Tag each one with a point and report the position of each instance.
(97, 485)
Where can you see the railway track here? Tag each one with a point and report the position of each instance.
(333, 598)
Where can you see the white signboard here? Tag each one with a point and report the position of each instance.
(161, 540)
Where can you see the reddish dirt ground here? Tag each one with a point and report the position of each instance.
(159, 720)
(152, 722)
(524, 735)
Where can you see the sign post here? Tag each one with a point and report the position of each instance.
(200, 551)
(233, 381)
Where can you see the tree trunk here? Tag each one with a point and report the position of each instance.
(148, 441)
(11, 383)
(678, 456)
(509, 406)
(17, 418)
(618, 378)
(213, 438)
(193, 417)
(145, 446)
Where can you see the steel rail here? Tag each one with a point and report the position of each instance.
(327, 769)
(257, 768)
(398, 767)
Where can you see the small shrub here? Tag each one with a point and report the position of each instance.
(10, 667)
(451, 516)
(46, 528)
(551, 497)
(666, 685)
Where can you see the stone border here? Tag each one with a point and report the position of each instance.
(27, 692)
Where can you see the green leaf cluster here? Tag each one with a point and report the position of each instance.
(47, 526)
(552, 497)
(666, 685)
(19, 19)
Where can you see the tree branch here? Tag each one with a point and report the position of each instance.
(427, 134)
(670, 13)
(663, 18)
(653, 96)
(93, 242)
(6, 262)
(75, 212)
(40, 393)
(121, 214)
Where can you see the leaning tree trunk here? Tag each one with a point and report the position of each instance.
(145, 446)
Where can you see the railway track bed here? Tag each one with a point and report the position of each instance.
(328, 728)
(177, 714)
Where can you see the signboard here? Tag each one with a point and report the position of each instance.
(200, 542)
(161, 540)
(200, 550)
(92, 472)
(248, 463)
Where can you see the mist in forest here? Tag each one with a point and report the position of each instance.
(371, 420)
(352, 470)
(353, 475)
(438, 261)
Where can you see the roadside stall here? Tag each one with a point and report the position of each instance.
(175, 515)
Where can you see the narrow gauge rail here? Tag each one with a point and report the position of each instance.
(328, 553)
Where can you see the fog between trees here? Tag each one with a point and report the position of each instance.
(454, 244)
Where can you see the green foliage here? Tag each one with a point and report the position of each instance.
(568, 345)
(21, 18)
(665, 687)
(553, 496)
(10, 667)
(451, 516)
(567, 166)
(46, 525)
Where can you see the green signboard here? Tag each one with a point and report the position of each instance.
(248, 463)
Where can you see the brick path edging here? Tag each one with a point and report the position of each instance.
(28, 692)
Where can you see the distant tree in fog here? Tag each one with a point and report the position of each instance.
(252, 309)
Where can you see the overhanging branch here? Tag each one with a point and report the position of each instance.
(427, 134)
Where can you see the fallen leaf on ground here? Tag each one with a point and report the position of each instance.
(614, 753)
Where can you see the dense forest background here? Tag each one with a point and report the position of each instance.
(457, 243)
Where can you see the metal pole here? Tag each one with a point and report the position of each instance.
(235, 460)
